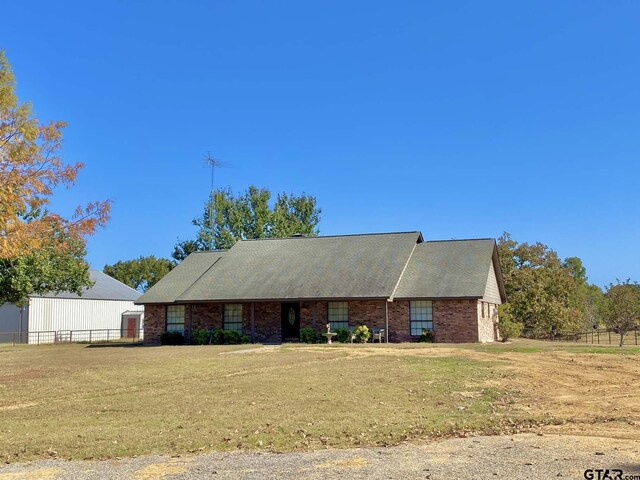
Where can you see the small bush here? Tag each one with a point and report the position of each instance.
(509, 329)
(171, 338)
(342, 335)
(228, 337)
(217, 337)
(200, 336)
(308, 335)
(428, 336)
(361, 334)
(508, 326)
(231, 337)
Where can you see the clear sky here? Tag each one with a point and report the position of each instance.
(459, 119)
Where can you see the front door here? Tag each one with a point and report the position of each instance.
(290, 322)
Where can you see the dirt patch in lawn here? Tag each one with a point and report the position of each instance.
(569, 388)
(587, 393)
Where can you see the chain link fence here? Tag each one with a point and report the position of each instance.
(595, 336)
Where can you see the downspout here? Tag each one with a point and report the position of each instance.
(395, 288)
(386, 321)
(253, 322)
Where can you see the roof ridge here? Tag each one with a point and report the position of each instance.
(460, 240)
(331, 236)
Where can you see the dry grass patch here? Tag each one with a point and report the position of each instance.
(86, 402)
(75, 401)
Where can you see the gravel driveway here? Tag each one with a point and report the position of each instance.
(527, 456)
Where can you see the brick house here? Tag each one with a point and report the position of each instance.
(271, 288)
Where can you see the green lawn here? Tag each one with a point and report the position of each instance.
(79, 401)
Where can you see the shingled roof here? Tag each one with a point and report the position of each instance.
(369, 266)
(183, 276)
(447, 269)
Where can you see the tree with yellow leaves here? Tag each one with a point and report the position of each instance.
(40, 251)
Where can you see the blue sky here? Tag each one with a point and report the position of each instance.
(459, 119)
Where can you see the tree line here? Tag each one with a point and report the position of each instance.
(550, 298)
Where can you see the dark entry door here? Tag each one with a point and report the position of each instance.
(290, 321)
(131, 327)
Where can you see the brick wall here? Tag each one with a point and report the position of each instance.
(399, 321)
(154, 323)
(308, 315)
(322, 315)
(204, 315)
(268, 322)
(367, 312)
(455, 321)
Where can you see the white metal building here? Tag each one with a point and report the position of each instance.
(95, 315)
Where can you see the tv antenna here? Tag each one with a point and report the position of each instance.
(213, 163)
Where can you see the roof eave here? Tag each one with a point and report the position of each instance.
(264, 300)
(495, 258)
(456, 297)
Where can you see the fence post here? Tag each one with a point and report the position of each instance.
(636, 332)
(609, 337)
(598, 337)
(38, 338)
(108, 331)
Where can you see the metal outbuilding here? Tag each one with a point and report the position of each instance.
(57, 316)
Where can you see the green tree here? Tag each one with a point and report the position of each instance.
(46, 269)
(40, 251)
(546, 296)
(141, 273)
(575, 268)
(587, 300)
(250, 215)
(621, 307)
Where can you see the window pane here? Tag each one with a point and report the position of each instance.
(421, 316)
(175, 318)
(233, 317)
(338, 315)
